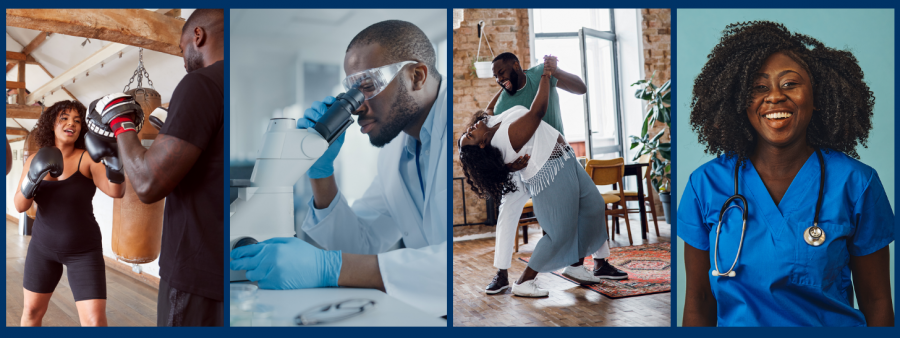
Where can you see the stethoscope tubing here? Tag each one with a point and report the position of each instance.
(745, 210)
(730, 272)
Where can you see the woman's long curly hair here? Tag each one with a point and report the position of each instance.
(842, 100)
(484, 168)
(44, 133)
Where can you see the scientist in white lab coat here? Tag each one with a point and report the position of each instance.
(393, 64)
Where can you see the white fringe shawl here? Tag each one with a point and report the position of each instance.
(535, 184)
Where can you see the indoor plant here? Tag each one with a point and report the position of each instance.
(658, 109)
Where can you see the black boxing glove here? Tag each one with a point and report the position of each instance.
(114, 172)
(114, 114)
(107, 153)
(48, 160)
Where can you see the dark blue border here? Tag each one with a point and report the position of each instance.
(227, 177)
(673, 133)
(448, 77)
(477, 332)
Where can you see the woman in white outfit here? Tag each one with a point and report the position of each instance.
(566, 202)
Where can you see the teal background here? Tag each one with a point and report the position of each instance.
(868, 33)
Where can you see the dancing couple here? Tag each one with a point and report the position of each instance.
(515, 150)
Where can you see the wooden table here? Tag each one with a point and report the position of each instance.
(634, 169)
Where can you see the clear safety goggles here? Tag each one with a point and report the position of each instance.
(372, 81)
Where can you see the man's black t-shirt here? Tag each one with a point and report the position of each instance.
(191, 258)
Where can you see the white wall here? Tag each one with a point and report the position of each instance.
(12, 179)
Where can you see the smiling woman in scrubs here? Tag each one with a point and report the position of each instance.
(767, 101)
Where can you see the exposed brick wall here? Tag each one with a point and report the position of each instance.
(657, 35)
(507, 30)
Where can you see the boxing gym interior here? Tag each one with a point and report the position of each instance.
(45, 66)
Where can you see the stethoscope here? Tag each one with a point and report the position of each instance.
(813, 235)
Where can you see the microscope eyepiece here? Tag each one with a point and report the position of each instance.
(338, 117)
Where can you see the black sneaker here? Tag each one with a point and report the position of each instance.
(607, 271)
(500, 283)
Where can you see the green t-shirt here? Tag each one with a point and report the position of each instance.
(525, 96)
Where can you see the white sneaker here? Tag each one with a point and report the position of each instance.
(529, 289)
(580, 274)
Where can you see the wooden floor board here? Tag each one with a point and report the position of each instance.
(567, 305)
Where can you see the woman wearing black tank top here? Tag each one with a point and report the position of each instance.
(65, 230)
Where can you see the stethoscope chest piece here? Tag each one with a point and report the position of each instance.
(814, 235)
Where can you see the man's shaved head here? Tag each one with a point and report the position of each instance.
(204, 46)
(211, 20)
(402, 40)
(506, 57)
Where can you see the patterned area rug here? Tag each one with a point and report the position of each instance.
(648, 268)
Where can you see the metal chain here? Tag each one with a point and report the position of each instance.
(140, 73)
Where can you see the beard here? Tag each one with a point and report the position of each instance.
(193, 59)
(513, 83)
(402, 114)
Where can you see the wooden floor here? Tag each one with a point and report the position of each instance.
(129, 302)
(567, 305)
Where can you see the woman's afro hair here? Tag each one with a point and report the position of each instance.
(842, 100)
(44, 133)
(484, 168)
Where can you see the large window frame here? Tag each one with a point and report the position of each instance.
(582, 35)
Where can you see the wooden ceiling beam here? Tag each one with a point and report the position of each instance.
(15, 85)
(17, 139)
(48, 74)
(34, 44)
(95, 59)
(16, 131)
(20, 99)
(15, 111)
(14, 56)
(53, 77)
(134, 27)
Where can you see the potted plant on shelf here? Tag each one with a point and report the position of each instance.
(658, 109)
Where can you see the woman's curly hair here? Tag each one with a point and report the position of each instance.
(44, 134)
(484, 168)
(843, 101)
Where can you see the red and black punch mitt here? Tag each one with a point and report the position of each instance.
(114, 114)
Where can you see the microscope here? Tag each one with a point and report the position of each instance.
(264, 208)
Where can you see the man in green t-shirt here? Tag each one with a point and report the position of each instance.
(518, 88)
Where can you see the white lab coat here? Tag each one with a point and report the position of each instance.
(386, 213)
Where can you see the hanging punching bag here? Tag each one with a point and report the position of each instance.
(137, 237)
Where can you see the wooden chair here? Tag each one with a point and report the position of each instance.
(610, 172)
(527, 218)
(648, 196)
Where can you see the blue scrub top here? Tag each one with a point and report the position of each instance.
(781, 280)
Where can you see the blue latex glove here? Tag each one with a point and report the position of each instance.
(324, 166)
(288, 263)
